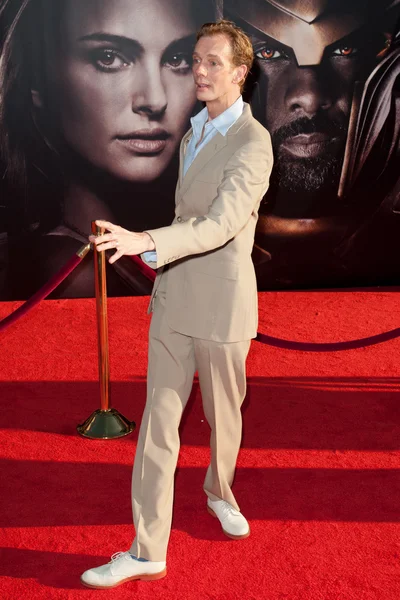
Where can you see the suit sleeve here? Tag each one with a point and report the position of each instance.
(244, 183)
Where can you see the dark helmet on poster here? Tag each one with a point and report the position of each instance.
(309, 28)
(342, 59)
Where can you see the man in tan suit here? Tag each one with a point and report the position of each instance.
(204, 303)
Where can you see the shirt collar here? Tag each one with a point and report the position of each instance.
(222, 123)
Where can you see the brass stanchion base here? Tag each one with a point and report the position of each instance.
(106, 425)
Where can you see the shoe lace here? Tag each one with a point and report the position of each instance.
(117, 556)
(228, 510)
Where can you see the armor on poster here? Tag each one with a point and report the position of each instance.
(326, 85)
(96, 95)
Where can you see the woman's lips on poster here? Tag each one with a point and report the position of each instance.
(308, 145)
(145, 141)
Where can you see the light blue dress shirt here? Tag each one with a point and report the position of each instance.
(220, 124)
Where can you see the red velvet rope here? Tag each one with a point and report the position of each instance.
(150, 274)
(300, 346)
(328, 346)
(48, 287)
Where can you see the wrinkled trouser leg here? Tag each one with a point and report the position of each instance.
(222, 377)
(173, 359)
(170, 375)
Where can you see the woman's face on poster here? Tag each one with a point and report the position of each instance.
(123, 84)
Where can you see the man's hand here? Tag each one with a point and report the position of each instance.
(125, 242)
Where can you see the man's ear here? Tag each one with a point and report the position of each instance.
(36, 99)
(240, 73)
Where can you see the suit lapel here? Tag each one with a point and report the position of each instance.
(206, 153)
(182, 152)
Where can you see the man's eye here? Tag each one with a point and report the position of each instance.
(269, 54)
(109, 60)
(345, 51)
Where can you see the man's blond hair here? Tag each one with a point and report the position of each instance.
(242, 49)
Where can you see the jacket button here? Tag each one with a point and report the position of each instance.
(179, 219)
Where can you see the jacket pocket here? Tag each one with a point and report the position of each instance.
(224, 269)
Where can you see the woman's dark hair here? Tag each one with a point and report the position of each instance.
(29, 28)
(29, 156)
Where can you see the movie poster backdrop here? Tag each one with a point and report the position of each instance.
(95, 96)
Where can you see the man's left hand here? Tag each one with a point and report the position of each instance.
(125, 242)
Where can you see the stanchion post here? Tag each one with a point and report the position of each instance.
(100, 283)
(106, 423)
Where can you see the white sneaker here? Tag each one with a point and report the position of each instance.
(234, 525)
(122, 568)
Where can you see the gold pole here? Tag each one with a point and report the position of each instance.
(100, 283)
(106, 423)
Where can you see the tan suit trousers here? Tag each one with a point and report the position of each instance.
(173, 361)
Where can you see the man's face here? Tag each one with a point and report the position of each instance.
(213, 70)
(306, 110)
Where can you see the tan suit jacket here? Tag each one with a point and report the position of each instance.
(211, 284)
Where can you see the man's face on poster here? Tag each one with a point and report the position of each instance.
(307, 110)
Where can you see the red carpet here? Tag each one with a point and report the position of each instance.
(318, 475)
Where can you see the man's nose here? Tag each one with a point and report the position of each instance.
(149, 95)
(199, 69)
(308, 92)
